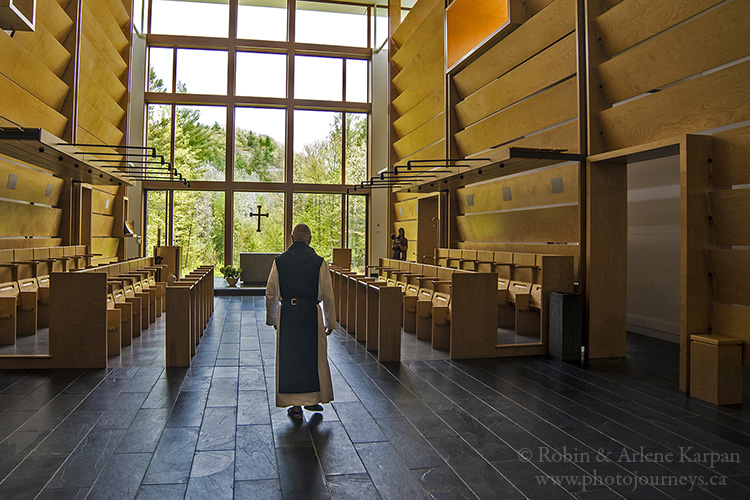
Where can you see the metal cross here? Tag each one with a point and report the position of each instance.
(258, 215)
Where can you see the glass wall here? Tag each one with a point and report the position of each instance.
(290, 127)
(357, 230)
(247, 236)
(199, 227)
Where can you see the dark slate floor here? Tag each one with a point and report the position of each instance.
(423, 428)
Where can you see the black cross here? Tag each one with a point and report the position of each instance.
(258, 215)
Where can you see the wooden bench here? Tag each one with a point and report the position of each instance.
(17, 312)
(384, 327)
(410, 309)
(189, 306)
(114, 327)
(441, 321)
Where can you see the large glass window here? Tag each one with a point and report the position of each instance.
(199, 227)
(320, 78)
(156, 218)
(356, 80)
(261, 75)
(159, 129)
(322, 212)
(190, 17)
(259, 144)
(201, 71)
(160, 69)
(331, 24)
(200, 142)
(247, 238)
(357, 230)
(317, 147)
(356, 147)
(262, 19)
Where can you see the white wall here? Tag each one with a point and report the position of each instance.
(654, 248)
(136, 133)
(379, 206)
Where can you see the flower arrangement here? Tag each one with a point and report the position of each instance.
(230, 272)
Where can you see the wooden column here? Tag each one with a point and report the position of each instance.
(606, 258)
(695, 239)
(179, 328)
(389, 324)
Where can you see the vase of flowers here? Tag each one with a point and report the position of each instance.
(231, 274)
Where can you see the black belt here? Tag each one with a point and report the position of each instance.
(300, 302)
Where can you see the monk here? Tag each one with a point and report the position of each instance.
(300, 283)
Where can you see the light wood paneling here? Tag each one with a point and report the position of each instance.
(716, 38)
(553, 106)
(105, 246)
(731, 216)
(91, 120)
(535, 6)
(429, 133)
(31, 184)
(430, 106)
(731, 275)
(101, 225)
(28, 111)
(22, 67)
(101, 100)
(606, 260)
(431, 25)
(539, 32)
(51, 14)
(473, 315)
(543, 70)
(92, 30)
(437, 150)
(529, 190)
(12, 243)
(730, 151)
(424, 70)
(695, 238)
(732, 321)
(102, 203)
(406, 210)
(45, 47)
(713, 100)
(633, 21)
(21, 219)
(412, 97)
(93, 64)
(532, 225)
(403, 196)
(413, 19)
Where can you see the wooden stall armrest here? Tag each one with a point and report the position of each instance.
(441, 315)
(522, 301)
(28, 300)
(424, 308)
(7, 307)
(425, 278)
(441, 282)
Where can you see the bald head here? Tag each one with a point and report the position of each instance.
(301, 232)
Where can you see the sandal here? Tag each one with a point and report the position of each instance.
(314, 408)
(295, 412)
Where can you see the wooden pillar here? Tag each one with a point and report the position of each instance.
(606, 258)
(695, 238)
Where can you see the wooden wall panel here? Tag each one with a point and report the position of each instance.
(406, 210)
(100, 99)
(412, 97)
(730, 210)
(101, 225)
(413, 19)
(105, 246)
(732, 321)
(550, 25)
(532, 225)
(432, 131)
(27, 110)
(713, 100)
(437, 150)
(91, 120)
(93, 64)
(102, 202)
(730, 270)
(548, 108)
(528, 190)
(425, 32)
(432, 105)
(535, 6)
(422, 70)
(730, 151)
(20, 219)
(93, 31)
(30, 184)
(22, 67)
(12, 243)
(716, 38)
(543, 70)
(632, 21)
(51, 14)
(45, 47)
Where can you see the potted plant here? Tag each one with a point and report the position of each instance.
(231, 274)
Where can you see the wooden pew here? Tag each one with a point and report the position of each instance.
(127, 321)
(424, 314)
(506, 311)
(410, 309)
(42, 313)
(18, 312)
(361, 307)
(468, 260)
(385, 300)
(441, 321)
(189, 305)
(114, 327)
(473, 325)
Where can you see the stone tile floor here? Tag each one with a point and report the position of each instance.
(423, 428)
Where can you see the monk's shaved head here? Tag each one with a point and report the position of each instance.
(301, 232)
